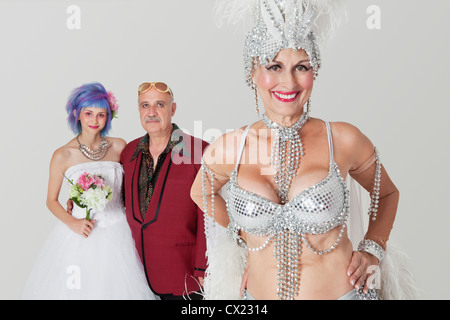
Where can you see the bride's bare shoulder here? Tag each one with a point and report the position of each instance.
(64, 156)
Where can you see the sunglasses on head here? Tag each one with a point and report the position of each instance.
(160, 86)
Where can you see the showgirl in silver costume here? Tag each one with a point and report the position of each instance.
(291, 223)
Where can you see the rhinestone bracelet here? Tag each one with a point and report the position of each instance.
(373, 248)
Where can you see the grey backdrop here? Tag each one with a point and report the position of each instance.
(391, 82)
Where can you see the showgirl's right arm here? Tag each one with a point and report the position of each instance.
(218, 162)
(57, 169)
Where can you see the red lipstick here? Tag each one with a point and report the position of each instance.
(286, 96)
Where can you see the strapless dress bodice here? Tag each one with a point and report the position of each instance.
(112, 172)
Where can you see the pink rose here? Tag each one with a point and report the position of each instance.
(99, 182)
(114, 106)
(85, 181)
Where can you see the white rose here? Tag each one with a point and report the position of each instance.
(94, 199)
(74, 193)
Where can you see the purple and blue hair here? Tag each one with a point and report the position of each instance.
(91, 95)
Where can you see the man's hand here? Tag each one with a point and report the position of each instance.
(69, 206)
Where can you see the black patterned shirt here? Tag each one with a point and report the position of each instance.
(148, 173)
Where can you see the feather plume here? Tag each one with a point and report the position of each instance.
(226, 265)
(234, 11)
(397, 281)
(329, 15)
(273, 19)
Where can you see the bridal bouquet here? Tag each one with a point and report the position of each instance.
(90, 192)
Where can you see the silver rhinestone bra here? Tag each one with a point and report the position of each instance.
(316, 210)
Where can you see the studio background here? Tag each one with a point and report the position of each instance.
(392, 83)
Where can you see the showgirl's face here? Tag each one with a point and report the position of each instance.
(93, 120)
(156, 110)
(285, 84)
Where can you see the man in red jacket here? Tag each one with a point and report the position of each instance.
(167, 226)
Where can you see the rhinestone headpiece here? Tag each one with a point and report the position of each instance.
(283, 24)
(280, 24)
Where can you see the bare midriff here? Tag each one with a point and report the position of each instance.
(320, 276)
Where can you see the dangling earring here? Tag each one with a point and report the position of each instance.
(308, 106)
(255, 91)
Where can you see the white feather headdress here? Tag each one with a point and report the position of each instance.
(282, 24)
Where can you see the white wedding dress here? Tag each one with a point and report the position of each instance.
(105, 265)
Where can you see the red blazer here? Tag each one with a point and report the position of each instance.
(171, 240)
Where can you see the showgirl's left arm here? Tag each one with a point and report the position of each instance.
(362, 159)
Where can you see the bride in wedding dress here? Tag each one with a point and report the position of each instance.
(91, 258)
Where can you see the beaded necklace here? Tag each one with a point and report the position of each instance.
(286, 158)
(287, 149)
(96, 154)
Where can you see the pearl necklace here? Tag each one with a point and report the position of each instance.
(97, 154)
(286, 161)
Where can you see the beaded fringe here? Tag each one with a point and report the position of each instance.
(375, 195)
